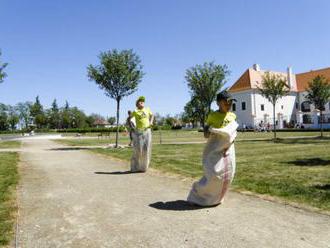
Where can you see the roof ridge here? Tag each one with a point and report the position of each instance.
(318, 70)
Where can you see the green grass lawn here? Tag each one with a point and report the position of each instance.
(8, 181)
(10, 144)
(296, 170)
(181, 136)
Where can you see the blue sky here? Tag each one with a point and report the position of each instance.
(48, 45)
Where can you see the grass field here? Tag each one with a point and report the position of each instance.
(10, 144)
(295, 170)
(180, 136)
(8, 181)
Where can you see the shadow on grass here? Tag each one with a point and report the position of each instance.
(117, 172)
(310, 162)
(313, 140)
(69, 149)
(323, 187)
(178, 205)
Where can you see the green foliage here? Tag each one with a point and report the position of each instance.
(204, 82)
(8, 180)
(2, 72)
(273, 87)
(318, 93)
(118, 74)
(91, 130)
(112, 120)
(195, 111)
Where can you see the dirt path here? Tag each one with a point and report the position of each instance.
(73, 198)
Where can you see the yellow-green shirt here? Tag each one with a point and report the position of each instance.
(220, 120)
(142, 118)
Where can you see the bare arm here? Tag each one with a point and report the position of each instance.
(151, 119)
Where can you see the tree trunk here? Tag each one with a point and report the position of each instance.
(321, 122)
(117, 132)
(274, 122)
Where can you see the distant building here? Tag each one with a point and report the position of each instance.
(253, 110)
(100, 123)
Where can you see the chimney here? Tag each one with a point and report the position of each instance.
(256, 67)
(291, 79)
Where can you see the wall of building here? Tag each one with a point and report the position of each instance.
(243, 116)
(253, 114)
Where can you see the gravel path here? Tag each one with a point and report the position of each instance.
(73, 198)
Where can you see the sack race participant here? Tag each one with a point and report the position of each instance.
(218, 156)
(141, 137)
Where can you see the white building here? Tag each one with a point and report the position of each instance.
(253, 110)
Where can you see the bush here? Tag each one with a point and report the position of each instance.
(92, 130)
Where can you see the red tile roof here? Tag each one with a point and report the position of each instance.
(304, 78)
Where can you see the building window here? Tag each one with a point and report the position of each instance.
(297, 105)
(262, 106)
(243, 105)
(281, 106)
(305, 106)
(234, 107)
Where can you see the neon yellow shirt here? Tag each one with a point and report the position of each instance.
(142, 118)
(220, 120)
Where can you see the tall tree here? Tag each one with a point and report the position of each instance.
(204, 82)
(2, 72)
(23, 109)
(273, 87)
(318, 93)
(65, 116)
(54, 116)
(13, 116)
(3, 117)
(38, 114)
(118, 74)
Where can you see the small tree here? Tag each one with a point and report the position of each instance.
(195, 110)
(204, 82)
(273, 87)
(118, 74)
(2, 67)
(318, 93)
(112, 120)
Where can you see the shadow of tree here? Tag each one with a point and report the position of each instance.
(322, 186)
(117, 172)
(178, 205)
(311, 140)
(310, 162)
(69, 149)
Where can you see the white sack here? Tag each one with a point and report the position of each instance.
(218, 165)
(141, 150)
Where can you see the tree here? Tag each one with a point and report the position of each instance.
(54, 115)
(195, 110)
(13, 116)
(118, 74)
(318, 93)
(273, 87)
(38, 114)
(2, 67)
(204, 82)
(23, 109)
(112, 120)
(65, 115)
(3, 117)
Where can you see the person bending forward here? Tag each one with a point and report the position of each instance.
(218, 156)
